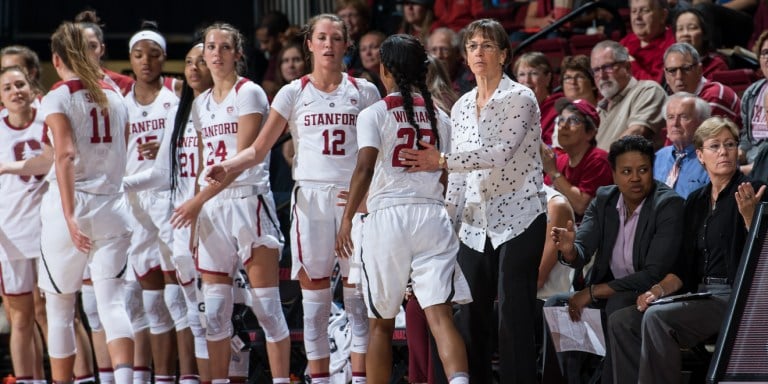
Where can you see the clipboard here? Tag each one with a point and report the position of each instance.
(683, 297)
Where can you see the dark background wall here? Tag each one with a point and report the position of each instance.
(31, 22)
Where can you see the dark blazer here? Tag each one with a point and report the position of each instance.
(657, 239)
(725, 227)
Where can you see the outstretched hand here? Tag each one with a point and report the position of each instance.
(564, 237)
(215, 174)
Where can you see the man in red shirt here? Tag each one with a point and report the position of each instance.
(683, 73)
(649, 38)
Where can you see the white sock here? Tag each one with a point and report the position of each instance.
(165, 379)
(220, 381)
(281, 380)
(124, 375)
(141, 375)
(106, 376)
(459, 378)
(359, 379)
(321, 380)
(189, 379)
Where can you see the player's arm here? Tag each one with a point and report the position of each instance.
(65, 153)
(253, 154)
(358, 189)
(38, 165)
(186, 214)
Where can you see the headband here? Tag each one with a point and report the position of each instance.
(147, 35)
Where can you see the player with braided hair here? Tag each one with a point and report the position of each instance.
(402, 203)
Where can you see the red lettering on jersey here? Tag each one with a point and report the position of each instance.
(330, 119)
(220, 129)
(187, 142)
(146, 126)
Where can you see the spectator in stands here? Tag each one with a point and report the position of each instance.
(357, 16)
(371, 59)
(754, 130)
(646, 341)
(457, 14)
(731, 20)
(631, 228)
(577, 80)
(577, 83)
(291, 64)
(676, 164)
(443, 44)
(268, 34)
(417, 18)
(683, 73)
(690, 28)
(630, 106)
(650, 37)
(533, 70)
(582, 168)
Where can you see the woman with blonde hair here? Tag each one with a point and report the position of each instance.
(84, 214)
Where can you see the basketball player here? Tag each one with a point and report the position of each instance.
(84, 215)
(176, 168)
(402, 204)
(229, 117)
(320, 110)
(149, 103)
(22, 169)
(91, 24)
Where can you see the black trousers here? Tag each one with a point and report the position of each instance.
(508, 273)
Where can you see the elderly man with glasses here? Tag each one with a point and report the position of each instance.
(683, 72)
(629, 106)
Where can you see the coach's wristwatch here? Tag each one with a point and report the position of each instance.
(441, 160)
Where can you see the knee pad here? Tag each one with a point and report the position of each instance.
(109, 298)
(134, 305)
(357, 314)
(160, 320)
(218, 311)
(61, 327)
(177, 306)
(90, 308)
(317, 310)
(268, 310)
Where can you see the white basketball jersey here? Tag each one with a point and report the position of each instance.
(98, 134)
(20, 210)
(218, 124)
(384, 126)
(188, 162)
(147, 123)
(323, 126)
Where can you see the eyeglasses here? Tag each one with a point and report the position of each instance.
(642, 11)
(684, 69)
(728, 145)
(764, 54)
(528, 74)
(683, 117)
(574, 78)
(606, 68)
(486, 47)
(571, 121)
(439, 49)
